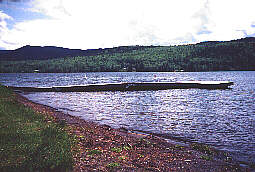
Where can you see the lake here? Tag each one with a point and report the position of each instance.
(224, 119)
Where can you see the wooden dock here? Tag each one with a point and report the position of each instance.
(139, 86)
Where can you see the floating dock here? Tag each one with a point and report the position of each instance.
(139, 86)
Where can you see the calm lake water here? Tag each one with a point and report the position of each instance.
(224, 119)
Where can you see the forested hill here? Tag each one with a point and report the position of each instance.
(204, 56)
(50, 52)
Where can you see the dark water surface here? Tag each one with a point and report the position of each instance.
(224, 119)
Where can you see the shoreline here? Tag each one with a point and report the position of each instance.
(103, 148)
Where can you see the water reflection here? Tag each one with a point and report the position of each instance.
(198, 115)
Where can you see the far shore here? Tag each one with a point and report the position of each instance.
(103, 148)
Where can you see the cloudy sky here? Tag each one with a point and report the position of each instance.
(88, 24)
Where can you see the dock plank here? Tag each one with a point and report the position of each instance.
(136, 86)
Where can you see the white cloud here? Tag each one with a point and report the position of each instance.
(112, 23)
(99, 23)
(228, 19)
(3, 28)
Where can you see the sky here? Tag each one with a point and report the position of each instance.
(91, 24)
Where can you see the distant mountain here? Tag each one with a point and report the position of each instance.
(248, 39)
(50, 52)
(205, 56)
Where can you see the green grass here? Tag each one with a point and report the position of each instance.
(94, 152)
(113, 165)
(28, 142)
(117, 150)
(202, 148)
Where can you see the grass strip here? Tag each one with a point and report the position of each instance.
(29, 141)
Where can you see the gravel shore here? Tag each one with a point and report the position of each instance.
(102, 148)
